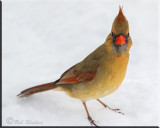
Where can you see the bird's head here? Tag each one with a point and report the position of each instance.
(119, 38)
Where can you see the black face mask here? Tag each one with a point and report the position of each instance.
(120, 49)
(124, 35)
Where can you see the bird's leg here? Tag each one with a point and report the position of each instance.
(106, 106)
(89, 117)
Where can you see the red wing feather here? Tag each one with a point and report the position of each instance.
(73, 76)
(85, 76)
(70, 80)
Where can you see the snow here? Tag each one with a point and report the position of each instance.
(42, 39)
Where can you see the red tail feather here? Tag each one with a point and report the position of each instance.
(36, 89)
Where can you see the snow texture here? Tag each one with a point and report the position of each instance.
(43, 38)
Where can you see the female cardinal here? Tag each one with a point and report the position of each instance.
(100, 73)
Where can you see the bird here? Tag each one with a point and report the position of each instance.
(100, 73)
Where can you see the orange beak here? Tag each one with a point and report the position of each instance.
(120, 40)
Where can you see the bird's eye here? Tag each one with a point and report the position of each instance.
(113, 35)
(128, 34)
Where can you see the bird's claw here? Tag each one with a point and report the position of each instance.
(92, 121)
(116, 110)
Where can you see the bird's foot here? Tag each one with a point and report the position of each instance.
(92, 121)
(106, 106)
(116, 110)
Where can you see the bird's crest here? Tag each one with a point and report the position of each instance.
(120, 24)
(120, 16)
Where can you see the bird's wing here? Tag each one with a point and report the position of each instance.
(81, 72)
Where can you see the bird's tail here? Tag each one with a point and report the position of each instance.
(37, 89)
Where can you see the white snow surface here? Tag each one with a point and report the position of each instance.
(43, 38)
